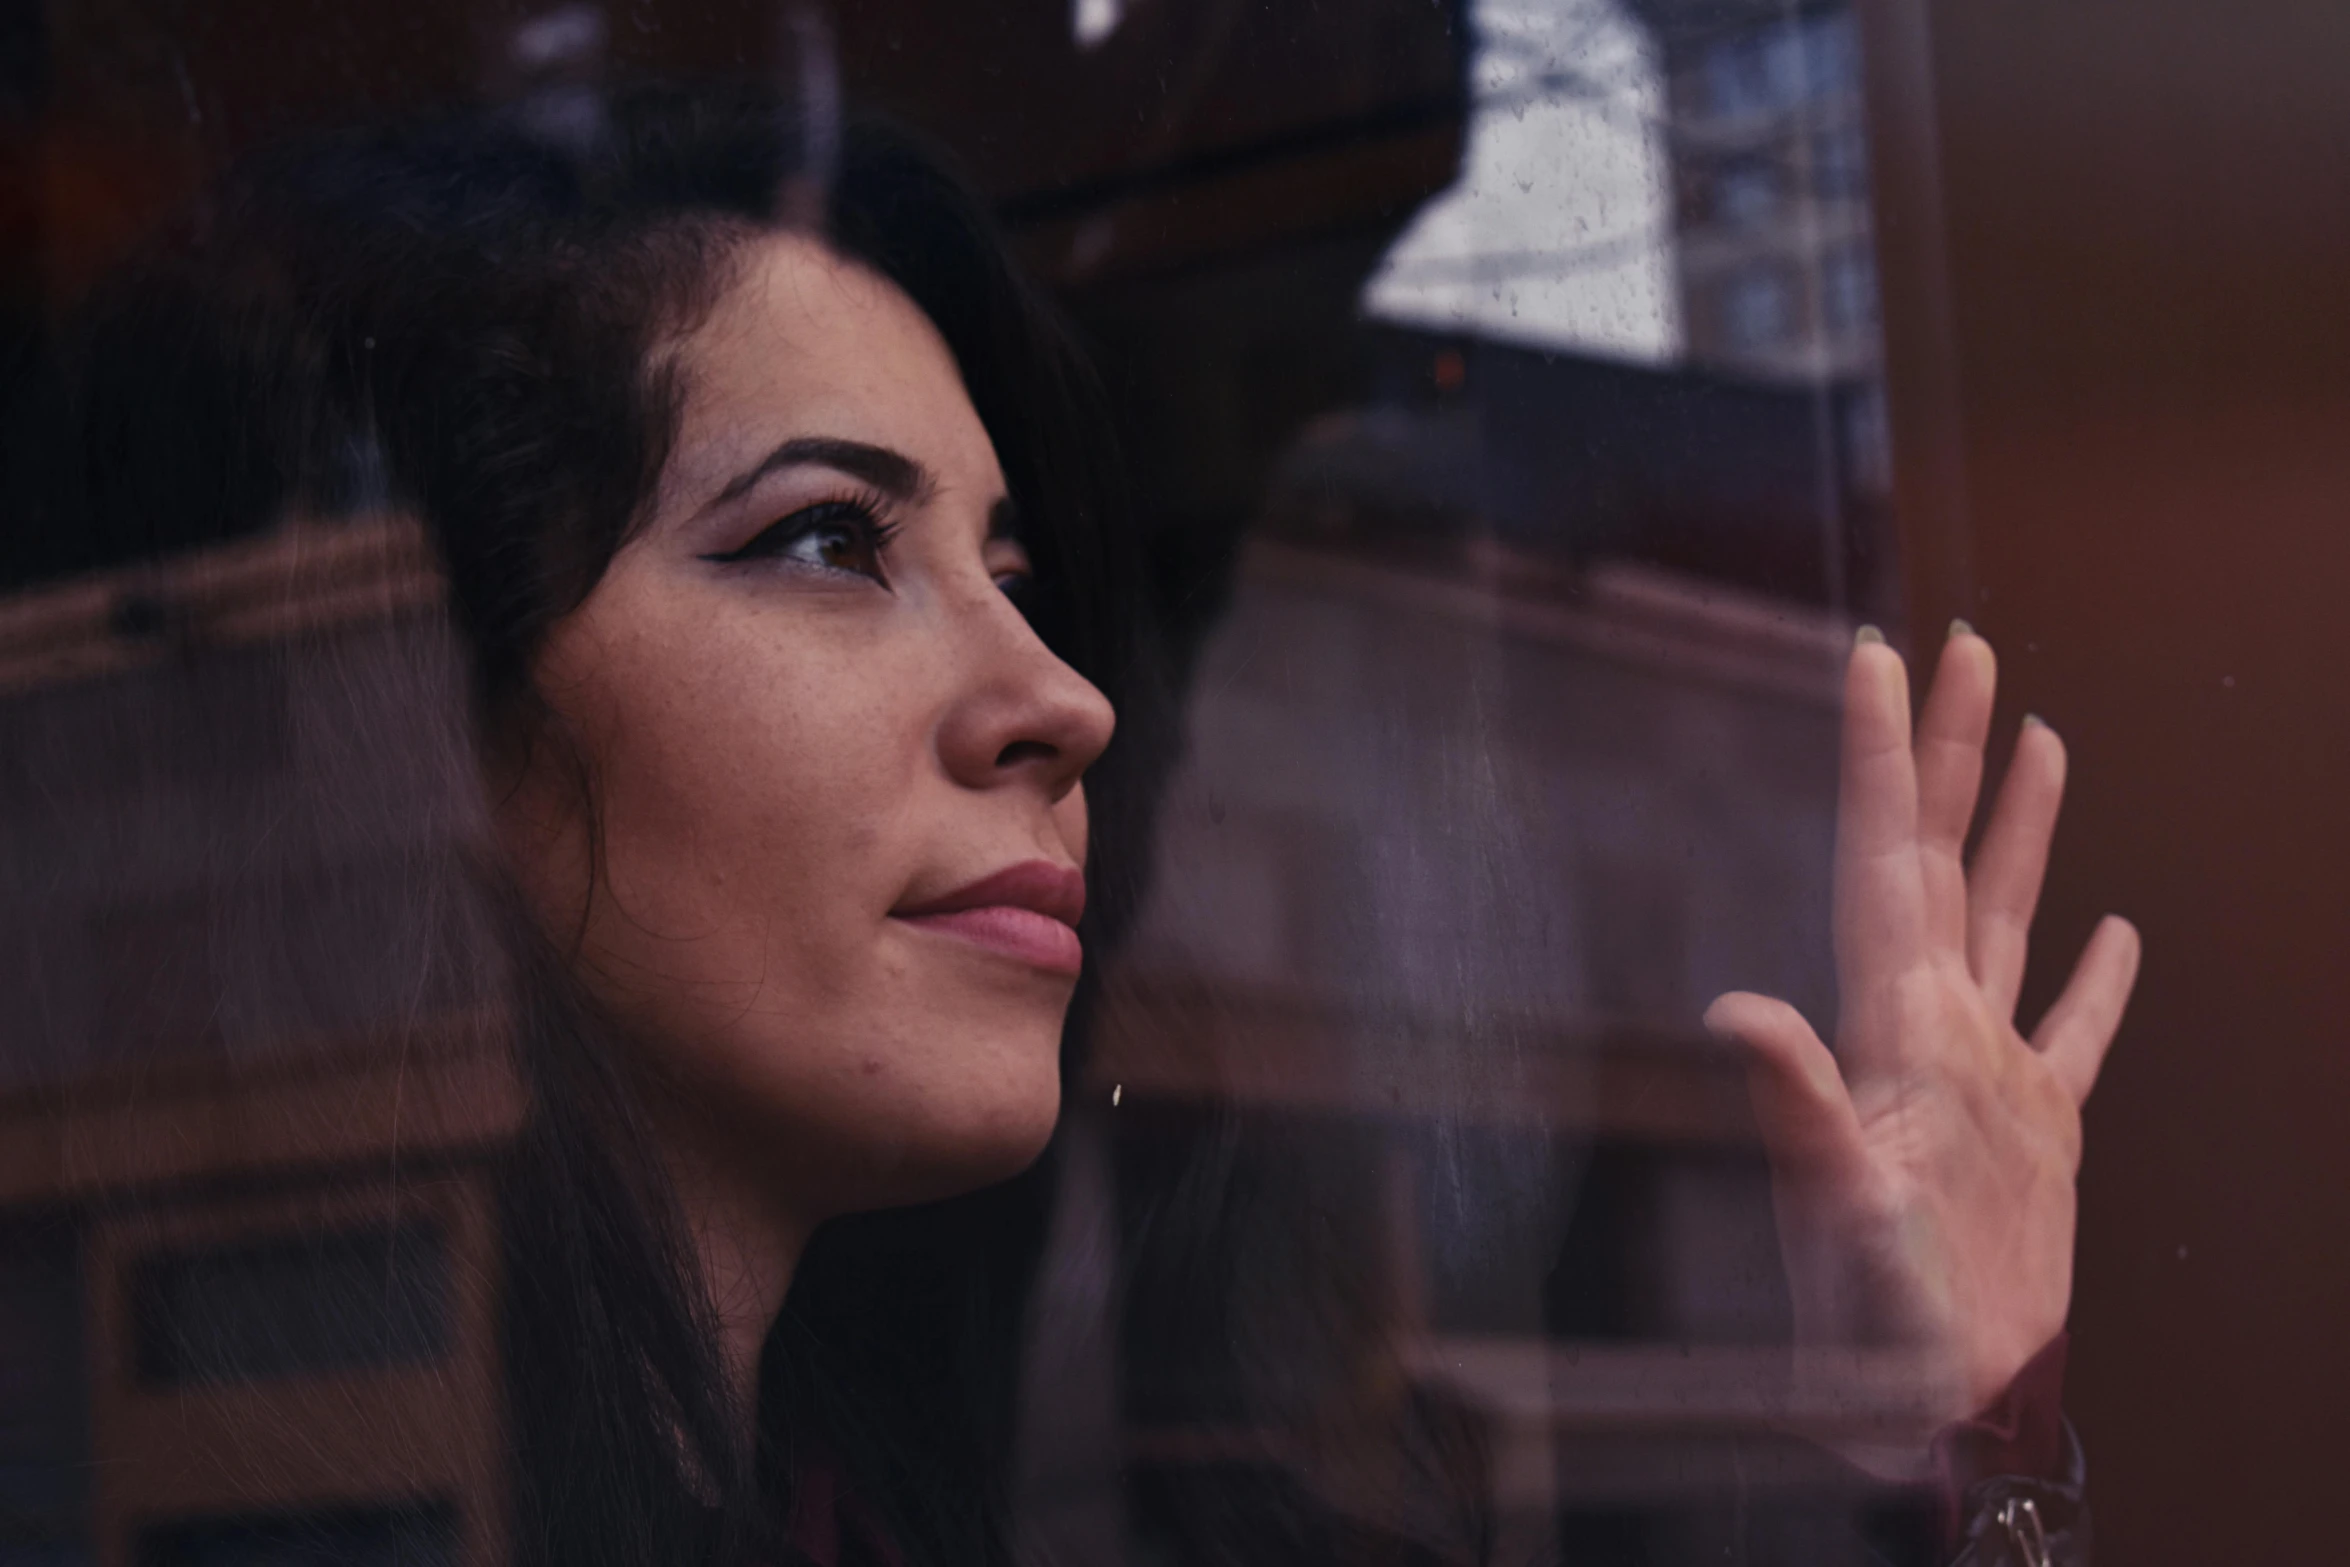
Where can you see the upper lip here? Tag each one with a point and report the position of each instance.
(1055, 891)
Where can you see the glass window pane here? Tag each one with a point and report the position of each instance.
(1087, 780)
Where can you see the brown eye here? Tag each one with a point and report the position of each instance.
(838, 547)
(840, 537)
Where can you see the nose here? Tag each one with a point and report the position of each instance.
(1020, 713)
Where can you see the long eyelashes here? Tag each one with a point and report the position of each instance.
(848, 536)
(844, 536)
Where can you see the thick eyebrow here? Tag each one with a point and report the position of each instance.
(893, 473)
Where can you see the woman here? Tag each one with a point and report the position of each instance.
(783, 557)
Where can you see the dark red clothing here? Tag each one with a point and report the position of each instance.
(2016, 1457)
(831, 1528)
(2022, 1433)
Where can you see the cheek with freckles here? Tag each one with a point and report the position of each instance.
(750, 803)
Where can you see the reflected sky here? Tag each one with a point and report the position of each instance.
(1559, 232)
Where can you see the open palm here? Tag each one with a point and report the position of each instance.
(1923, 1171)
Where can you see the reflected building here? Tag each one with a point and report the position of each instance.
(1482, 802)
(1774, 243)
(1770, 180)
(1508, 680)
(254, 1090)
(1510, 744)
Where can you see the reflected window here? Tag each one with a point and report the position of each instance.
(1757, 308)
(1848, 291)
(424, 1536)
(1839, 162)
(45, 1469)
(359, 1299)
(1732, 84)
(1781, 64)
(1747, 193)
(1754, 73)
(1831, 45)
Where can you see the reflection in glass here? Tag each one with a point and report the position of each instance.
(1512, 470)
(343, 1537)
(299, 1306)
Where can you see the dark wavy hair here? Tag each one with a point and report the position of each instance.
(459, 317)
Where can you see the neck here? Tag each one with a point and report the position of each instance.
(747, 1242)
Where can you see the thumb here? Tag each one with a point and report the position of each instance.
(1801, 1106)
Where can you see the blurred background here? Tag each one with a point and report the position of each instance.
(1525, 400)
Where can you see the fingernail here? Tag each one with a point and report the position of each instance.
(1867, 635)
(1959, 628)
(2034, 721)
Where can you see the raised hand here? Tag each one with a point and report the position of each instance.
(1923, 1172)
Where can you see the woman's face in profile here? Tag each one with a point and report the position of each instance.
(838, 828)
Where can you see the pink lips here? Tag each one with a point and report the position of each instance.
(1027, 911)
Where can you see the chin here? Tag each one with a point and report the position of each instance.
(976, 1108)
(987, 1137)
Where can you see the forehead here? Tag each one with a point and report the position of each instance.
(806, 343)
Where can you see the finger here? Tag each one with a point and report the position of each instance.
(2079, 1029)
(1801, 1105)
(2011, 864)
(1880, 896)
(1951, 730)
